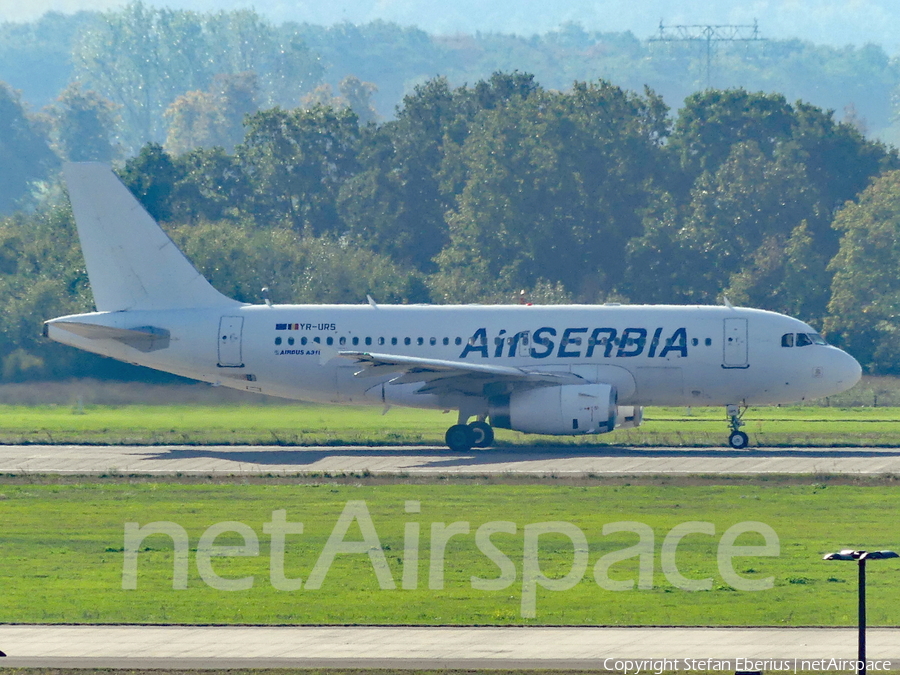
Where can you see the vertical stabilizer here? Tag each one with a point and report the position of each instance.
(131, 262)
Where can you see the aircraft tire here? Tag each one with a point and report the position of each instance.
(484, 434)
(460, 438)
(738, 440)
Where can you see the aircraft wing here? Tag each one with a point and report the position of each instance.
(439, 376)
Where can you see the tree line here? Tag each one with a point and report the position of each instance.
(477, 193)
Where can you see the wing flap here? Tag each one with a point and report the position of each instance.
(441, 376)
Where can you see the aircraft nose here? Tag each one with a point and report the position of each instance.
(845, 370)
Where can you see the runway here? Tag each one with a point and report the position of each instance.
(432, 461)
(720, 649)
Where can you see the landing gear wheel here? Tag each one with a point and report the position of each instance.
(738, 440)
(483, 433)
(460, 438)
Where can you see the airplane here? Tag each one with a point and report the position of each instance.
(553, 369)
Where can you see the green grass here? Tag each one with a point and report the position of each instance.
(304, 424)
(61, 552)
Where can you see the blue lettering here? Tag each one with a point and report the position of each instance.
(514, 341)
(539, 339)
(654, 343)
(676, 343)
(498, 344)
(481, 337)
(632, 337)
(608, 341)
(568, 340)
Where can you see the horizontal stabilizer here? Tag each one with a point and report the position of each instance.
(144, 338)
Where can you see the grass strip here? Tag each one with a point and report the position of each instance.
(232, 424)
(62, 553)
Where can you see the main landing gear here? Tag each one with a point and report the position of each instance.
(463, 437)
(737, 439)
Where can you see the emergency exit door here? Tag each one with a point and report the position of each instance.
(230, 328)
(735, 344)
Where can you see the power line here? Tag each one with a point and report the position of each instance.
(711, 35)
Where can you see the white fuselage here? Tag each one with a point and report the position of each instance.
(653, 355)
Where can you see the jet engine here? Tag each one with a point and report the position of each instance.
(567, 409)
(630, 416)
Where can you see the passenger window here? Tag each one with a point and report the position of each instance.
(368, 341)
(787, 340)
(446, 341)
(278, 341)
(316, 340)
(303, 341)
(381, 340)
(708, 342)
(342, 341)
(407, 341)
(458, 341)
(393, 341)
(290, 341)
(803, 340)
(329, 341)
(420, 341)
(432, 341)
(355, 341)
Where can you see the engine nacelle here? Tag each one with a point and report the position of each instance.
(630, 416)
(567, 409)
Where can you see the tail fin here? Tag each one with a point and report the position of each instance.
(131, 262)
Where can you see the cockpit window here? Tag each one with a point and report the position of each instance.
(802, 339)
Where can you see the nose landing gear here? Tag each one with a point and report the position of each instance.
(737, 439)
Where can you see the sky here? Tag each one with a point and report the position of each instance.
(836, 22)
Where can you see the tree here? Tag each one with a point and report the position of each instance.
(84, 124)
(787, 275)
(553, 189)
(734, 211)
(152, 177)
(240, 259)
(143, 58)
(358, 95)
(25, 150)
(212, 118)
(296, 162)
(864, 312)
(410, 172)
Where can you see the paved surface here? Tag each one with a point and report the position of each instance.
(146, 646)
(228, 460)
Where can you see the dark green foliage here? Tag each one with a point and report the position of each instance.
(296, 162)
(865, 303)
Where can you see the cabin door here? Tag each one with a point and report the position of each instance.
(230, 329)
(735, 344)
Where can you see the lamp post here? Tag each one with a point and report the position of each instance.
(861, 557)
